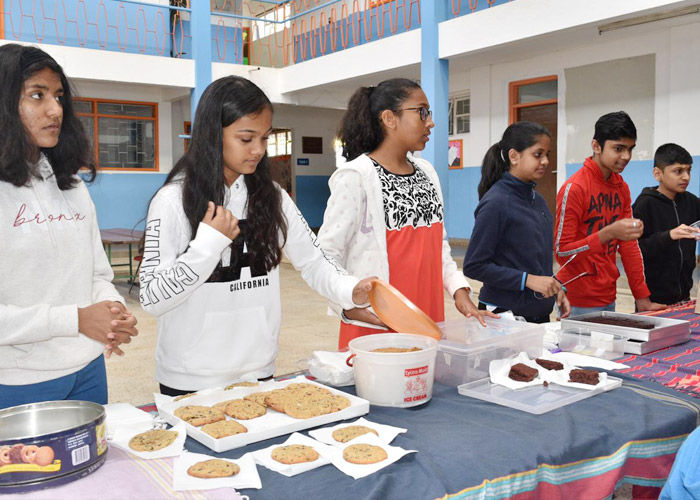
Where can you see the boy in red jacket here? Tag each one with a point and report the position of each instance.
(594, 221)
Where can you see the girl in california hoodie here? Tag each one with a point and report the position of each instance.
(214, 240)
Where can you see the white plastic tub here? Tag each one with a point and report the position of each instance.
(400, 380)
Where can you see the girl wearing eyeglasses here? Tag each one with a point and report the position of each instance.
(385, 216)
(510, 250)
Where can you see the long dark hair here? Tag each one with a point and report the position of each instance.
(361, 129)
(518, 136)
(73, 151)
(202, 168)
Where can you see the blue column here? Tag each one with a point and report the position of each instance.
(434, 75)
(200, 26)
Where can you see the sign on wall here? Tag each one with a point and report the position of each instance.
(455, 154)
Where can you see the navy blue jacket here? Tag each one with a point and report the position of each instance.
(512, 238)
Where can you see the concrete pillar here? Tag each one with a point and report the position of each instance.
(200, 28)
(434, 76)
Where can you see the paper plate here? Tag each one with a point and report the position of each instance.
(399, 313)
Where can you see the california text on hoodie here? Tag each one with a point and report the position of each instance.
(669, 264)
(52, 263)
(512, 238)
(214, 328)
(586, 203)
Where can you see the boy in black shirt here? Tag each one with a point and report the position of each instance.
(668, 242)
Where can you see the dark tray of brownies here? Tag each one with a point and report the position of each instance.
(632, 326)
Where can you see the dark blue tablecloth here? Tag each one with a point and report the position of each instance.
(468, 448)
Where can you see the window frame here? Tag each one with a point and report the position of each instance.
(514, 105)
(452, 110)
(96, 137)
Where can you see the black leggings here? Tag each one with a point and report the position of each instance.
(529, 319)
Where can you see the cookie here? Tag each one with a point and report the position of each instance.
(199, 415)
(183, 396)
(307, 408)
(345, 434)
(339, 402)
(277, 399)
(213, 468)
(224, 428)
(257, 397)
(153, 440)
(221, 405)
(241, 384)
(364, 454)
(243, 409)
(294, 454)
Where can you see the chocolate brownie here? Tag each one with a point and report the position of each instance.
(548, 364)
(522, 373)
(625, 322)
(581, 376)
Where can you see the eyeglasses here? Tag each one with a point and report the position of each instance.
(593, 272)
(422, 110)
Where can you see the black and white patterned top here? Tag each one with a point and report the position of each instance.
(409, 200)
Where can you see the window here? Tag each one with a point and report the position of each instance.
(459, 112)
(533, 93)
(270, 24)
(123, 134)
(279, 143)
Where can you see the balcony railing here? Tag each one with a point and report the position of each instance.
(273, 33)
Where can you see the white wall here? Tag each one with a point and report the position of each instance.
(676, 100)
(595, 89)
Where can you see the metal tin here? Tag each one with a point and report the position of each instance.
(50, 443)
(663, 327)
(666, 332)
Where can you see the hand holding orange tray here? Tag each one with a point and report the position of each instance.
(399, 313)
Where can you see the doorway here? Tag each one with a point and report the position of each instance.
(535, 100)
(279, 154)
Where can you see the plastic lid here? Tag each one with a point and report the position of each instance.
(399, 313)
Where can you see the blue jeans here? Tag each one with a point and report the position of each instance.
(577, 311)
(87, 384)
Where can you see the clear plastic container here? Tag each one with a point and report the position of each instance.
(591, 343)
(467, 348)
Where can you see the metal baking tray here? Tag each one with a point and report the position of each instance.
(638, 347)
(663, 327)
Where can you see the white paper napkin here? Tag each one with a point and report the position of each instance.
(499, 369)
(576, 359)
(264, 456)
(357, 471)
(331, 368)
(386, 433)
(124, 415)
(123, 435)
(247, 478)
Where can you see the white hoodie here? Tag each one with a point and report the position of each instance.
(52, 262)
(210, 333)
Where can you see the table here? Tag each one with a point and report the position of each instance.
(469, 449)
(121, 236)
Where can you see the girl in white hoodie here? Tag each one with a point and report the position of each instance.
(58, 307)
(385, 214)
(215, 235)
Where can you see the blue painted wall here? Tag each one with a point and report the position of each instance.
(463, 200)
(121, 200)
